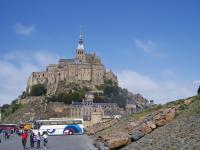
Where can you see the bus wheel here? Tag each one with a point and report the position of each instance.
(70, 133)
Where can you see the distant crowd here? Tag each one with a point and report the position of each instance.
(35, 139)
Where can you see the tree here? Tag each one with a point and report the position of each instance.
(38, 90)
(111, 90)
(198, 92)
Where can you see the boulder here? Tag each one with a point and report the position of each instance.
(158, 117)
(161, 122)
(151, 124)
(132, 125)
(170, 116)
(147, 118)
(117, 142)
(136, 135)
(146, 129)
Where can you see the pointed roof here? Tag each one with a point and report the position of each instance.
(80, 42)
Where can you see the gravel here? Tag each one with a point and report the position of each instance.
(183, 133)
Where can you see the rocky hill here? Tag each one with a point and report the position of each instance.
(38, 105)
(175, 125)
(31, 108)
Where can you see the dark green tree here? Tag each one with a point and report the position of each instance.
(111, 90)
(38, 90)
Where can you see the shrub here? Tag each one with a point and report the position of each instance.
(38, 90)
(195, 106)
(67, 98)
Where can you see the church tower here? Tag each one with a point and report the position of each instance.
(80, 51)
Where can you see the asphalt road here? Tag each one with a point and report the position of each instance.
(72, 142)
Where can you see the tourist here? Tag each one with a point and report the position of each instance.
(45, 139)
(32, 139)
(6, 134)
(24, 136)
(38, 137)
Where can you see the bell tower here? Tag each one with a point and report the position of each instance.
(80, 51)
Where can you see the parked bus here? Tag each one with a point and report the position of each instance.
(11, 128)
(59, 127)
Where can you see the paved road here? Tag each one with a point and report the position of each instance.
(74, 142)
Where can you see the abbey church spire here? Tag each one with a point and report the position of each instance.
(80, 43)
(80, 51)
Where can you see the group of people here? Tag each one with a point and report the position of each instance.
(6, 133)
(34, 139)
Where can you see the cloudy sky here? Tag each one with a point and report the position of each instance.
(153, 46)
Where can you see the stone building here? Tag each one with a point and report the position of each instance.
(85, 69)
(94, 112)
(131, 106)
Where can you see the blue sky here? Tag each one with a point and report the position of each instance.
(153, 46)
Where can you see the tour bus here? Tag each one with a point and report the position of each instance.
(59, 127)
(11, 128)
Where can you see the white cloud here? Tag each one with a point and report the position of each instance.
(24, 29)
(160, 91)
(196, 82)
(148, 47)
(49, 58)
(16, 68)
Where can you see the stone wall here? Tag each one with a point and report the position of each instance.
(96, 117)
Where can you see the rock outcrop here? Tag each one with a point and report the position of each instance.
(137, 129)
(134, 130)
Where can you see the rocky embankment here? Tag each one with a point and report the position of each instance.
(183, 133)
(157, 130)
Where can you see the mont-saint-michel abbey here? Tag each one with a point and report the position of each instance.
(85, 69)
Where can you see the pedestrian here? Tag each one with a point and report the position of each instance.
(45, 139)
(6, 134)
(32, 140)
(24, 136)
(38, 140)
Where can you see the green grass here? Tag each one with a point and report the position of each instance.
(146, 112)
(194, 108)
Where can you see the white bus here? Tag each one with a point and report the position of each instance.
(59, 127)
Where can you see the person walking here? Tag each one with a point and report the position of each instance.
(45, 139)
(24, 138)
(6, 134)
(38, 137)
(32, 140)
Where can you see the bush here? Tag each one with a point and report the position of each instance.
(7, 109)
(194, 108)
(67, 98)
(38, 90)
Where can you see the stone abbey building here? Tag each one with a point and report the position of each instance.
(85, 70)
